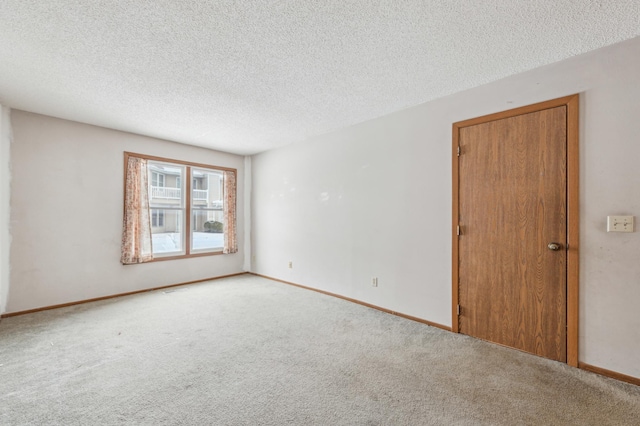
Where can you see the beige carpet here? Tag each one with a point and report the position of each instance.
(249, 351)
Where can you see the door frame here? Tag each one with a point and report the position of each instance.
(573, 210)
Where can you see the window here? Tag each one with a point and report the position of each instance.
(168, 208)
(207, 221)
(191, 208)
(157, 179)
(157, 218)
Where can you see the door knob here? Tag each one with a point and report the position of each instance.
(554, 246)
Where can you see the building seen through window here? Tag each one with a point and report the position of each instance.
(173, 209)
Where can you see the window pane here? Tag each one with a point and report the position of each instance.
(157, 179)
(165, 189)
(206, 189)
(157, 218)
(167, 231)
(207, 230)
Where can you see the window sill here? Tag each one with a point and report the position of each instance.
(183, 256)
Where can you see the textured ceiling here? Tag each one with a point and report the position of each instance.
(246, 76)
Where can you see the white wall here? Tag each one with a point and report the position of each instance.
(375, 200)
(5, 183)
(66, 213)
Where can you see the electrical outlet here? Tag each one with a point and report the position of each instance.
(290, 264)
(620, 223)
(374, 281)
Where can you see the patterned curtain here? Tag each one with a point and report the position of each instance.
(230, 239)
(136, 230)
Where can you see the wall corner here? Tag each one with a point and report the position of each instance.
(5, 205)
(248, 250)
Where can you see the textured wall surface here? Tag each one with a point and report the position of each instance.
(374, 200)
(66, 213)
(244, 76)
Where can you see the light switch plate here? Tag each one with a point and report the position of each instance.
(620, 223)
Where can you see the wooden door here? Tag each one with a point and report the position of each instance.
(512, 204)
